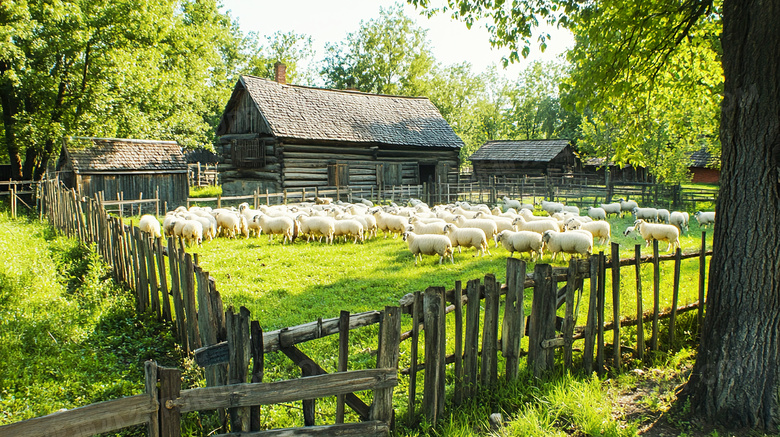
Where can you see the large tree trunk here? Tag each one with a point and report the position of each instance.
(736, 378)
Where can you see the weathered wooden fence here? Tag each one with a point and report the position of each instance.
(226, 342)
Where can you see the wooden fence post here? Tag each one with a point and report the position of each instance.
(258, 365)
(568, 321)
(602, 283)
(343, 360)
(616, 304)
(590, 325)
(170, 387)
(150, 383)
(186, 271)
(656, 295)
(702, 272)
(166, 301)
(239, 350)
(416, 314)
(514, 317)
(675, 297)
(542, 322)
(435, 352)
(489, 373)
(471, 341)
(457, 301)
(640, 327)
(387, 358)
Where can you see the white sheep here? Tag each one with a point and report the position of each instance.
(467, 237)
(192, 232)
(149, 223)
(318, 226)
(390, 223)
(349, 228)
(658, 231)
(209, 227)
(611, 208)
(627, 206)
(281, 225)
(228, 224)
(420, 228)
(522, 241)
(571, 209)
(663, 215)
(530, 217)
(679, 219)
(552, 207)
(421, 245)
(597, 213)
(511, 203)
(646, 214)
(575, 243)
(539, 226)
(487, 225)
(705, 218)
(169, 222)
(599, 228)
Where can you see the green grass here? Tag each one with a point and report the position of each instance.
(208, 191)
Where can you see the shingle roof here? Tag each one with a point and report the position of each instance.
(702, 158)
(322, 114)
(516, 150)
(112, 154)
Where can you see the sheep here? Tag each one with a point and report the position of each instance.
(576, 242)
(149, 223)
(349, 228)
(421, 245)
(282, 225)
(530, 217)
(390, 223)
(368, 221)
(552, 207)
(318, 226)
(209, 227)
(597, 213)
(539, 227)
(421, 228)
(627, 206)
(521, 241)
(679, 219)
(511, 203)
(323, 200)
(663, 215)
(658, 231)
(192, 232)
(228, 224)
(572, 209)
(169, 222)
(646, 214)
(705, 218)
(599, 228)
(467, 237)
(488, 226)
(611, 208)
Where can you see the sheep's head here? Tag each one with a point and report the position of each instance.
(499, 236)
(406, 235)
(628, 230)
(546, 236)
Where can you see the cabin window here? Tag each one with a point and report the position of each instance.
(248, 153)
(338, 175)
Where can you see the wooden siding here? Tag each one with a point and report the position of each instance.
(242, 115)
(173, 187)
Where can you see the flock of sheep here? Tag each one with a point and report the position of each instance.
(436, 230)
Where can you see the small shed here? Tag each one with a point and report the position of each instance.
(135, 168)
(518, 158)
(275, 136)
(704, 167)
(595, 169)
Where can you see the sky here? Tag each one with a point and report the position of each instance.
(331, 20)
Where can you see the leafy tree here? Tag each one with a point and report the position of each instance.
(120, 68)
(387, 55)
(289, 48)
(736, 379)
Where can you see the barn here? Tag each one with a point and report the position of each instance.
(704, 167)
(276, 136)
(136, 168)
(518, 158)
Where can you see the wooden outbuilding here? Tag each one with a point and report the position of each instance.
(704, 167)
(136, 168)
(518, 158)
(275, 136)
(595, 170)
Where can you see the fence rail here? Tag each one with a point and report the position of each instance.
(169, 283)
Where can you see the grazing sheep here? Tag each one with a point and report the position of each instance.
(228, 224)
(705, 218)
(539, 226)
(282, 225)
(318, 227)
(349, 228)
(467, 237)
(579, 243)
(571, 209)
(530, 217)
(522, 241)
(511, 203)
(488, 226)
(600, 229)
(390, 223)
(169, 222)
(192, 232)
(658, 231)
(149, 223)
(646, 214)
(421, 245)
(209, 227)
(663, 215)
(597, 213)
(552, 207)
(323, 200)
(627, 206)
(421, 228)
(611, 208)
(679, 219)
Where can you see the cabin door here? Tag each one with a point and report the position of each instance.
(427, 174)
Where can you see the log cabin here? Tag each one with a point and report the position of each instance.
(518, 158)
(276, 136)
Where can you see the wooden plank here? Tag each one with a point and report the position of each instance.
(150, 388)
(434, 355)
(489, 371)
(361, 429)
(602, 283)
(388, 353)
(616, 356)
(471, 342)
(416, 315)
(258, 365)
(590, 324)
(274, 340)
(458, 303)
(170, 387)
(186, 272)
(568, 321)
(178, 303)
(542, 320)
(656, 295)
(675, 298)
(516, 315)
(343, 359)
(166, 301)
(88, 420)
(640, 327)
(239, 344)
(151, 265)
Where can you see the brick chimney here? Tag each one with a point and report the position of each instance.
(280, 73)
